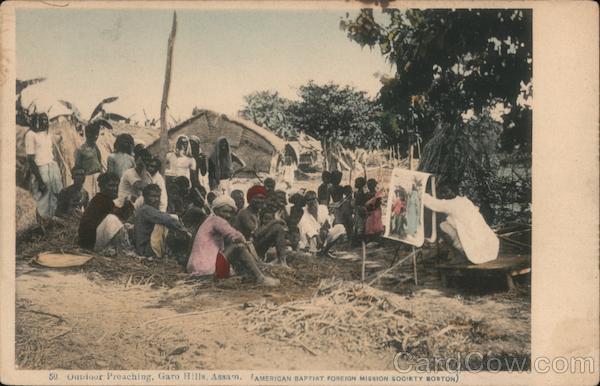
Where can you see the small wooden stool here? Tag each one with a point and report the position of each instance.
(509, 266)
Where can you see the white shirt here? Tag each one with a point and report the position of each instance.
(180, 166)
(126, 186)
(478, 240)
(309, 226)
(40, 145)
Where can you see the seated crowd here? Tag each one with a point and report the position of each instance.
(132, 210)
(140, 215)
(211, 234)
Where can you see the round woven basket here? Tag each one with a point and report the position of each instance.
(61, 260)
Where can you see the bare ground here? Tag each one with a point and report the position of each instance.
(117, 313)
(73, 319)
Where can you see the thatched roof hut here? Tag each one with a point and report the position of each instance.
(256, 146)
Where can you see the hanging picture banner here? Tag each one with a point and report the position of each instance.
(404, 210)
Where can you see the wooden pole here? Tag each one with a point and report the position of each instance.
(414, 261)
(414, 250)
(164, 139)
(396, 264)
(364, 258)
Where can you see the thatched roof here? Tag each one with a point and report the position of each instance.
(277, 143)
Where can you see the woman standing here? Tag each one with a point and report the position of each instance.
(220, 165)
(288, 166)
(179, 162)
(200, 174)
(121, 159)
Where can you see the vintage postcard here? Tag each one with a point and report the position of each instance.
(306, 193)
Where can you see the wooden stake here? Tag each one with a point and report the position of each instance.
(364, 258)
(164, 139)
(396, 264)
(414, 261)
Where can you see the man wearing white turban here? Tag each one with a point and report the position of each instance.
(218, 244)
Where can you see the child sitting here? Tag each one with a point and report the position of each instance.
(73, 199)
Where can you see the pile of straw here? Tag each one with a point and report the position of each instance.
(354, 318)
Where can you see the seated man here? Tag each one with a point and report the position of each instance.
(151, 225)
(315, 229)
(196, 211)
(464, 228)
(280, 206)
(73, 199)
(217, 244)
(269, 185)
(153, 167)
(135, 179)
(238, 197)
(272, 234)
(102, 222)
(296, 211)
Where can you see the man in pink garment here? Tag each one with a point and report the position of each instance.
(216, 235)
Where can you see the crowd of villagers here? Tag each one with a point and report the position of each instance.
(130, 210)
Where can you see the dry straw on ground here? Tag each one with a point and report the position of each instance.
(352, 317)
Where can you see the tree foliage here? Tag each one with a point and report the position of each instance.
(269, 110)
(449, 62)
(463, 155)
(331, 112)
(328, 112)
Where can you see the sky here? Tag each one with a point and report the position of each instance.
(219, 56)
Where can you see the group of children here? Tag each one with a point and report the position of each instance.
(359, 211)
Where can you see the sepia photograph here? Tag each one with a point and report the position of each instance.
(289, 189)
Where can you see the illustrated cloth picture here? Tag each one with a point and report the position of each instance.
(404, 211)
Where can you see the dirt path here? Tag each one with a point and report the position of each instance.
(69, 321)
(81, 320)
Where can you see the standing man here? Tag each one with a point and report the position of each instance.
(464, 229)
(47, 182)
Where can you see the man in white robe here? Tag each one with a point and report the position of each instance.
(464, 227)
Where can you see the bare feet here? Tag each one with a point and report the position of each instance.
(268, 281)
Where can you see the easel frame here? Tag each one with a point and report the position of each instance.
(396, 262)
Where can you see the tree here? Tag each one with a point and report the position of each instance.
(269, 110)
(463, 155)
(449, 62)
(334, 113)
(98, 117)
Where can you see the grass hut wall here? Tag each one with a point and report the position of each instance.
(256, 146)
